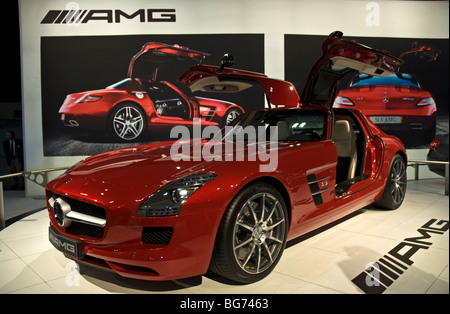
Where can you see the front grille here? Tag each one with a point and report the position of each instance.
(86, 208)
(157, 235)
(81, 228)
(84, 230)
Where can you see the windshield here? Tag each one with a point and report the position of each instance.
(119, 84)
(390, 80)
(279, 125)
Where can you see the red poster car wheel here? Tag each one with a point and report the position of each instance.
(127, 122)
(231, 116)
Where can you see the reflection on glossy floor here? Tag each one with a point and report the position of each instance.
(324, 262)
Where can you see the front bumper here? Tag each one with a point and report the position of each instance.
(149, 248)
(94, 122)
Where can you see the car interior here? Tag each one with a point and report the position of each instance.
(306, 126)
(167, 101)
(349, 140)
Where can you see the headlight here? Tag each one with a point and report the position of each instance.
(168, 200)
(88, 98)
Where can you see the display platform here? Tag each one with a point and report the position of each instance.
(409, 245)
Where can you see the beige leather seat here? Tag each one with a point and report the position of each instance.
(345, 141)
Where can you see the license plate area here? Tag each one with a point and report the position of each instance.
(65, 244)
(386, 119)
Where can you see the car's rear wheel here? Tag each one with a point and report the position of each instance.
(127, 122)
(252, 235)
(395, 190)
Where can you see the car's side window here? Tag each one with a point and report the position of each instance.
(302, 126)
(291, 125)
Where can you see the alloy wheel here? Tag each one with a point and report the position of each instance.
(128, 123)
(398, 181)
(231, 117)
(259, 233)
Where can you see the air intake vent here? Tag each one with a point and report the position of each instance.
(157, 235)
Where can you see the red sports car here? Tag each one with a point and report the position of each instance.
(138, 212)
(396, 103)
(140, 102)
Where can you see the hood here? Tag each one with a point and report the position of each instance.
(136, 167)
(152, 165)
(152, 55)
(339, 58)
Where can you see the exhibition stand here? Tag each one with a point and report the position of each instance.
(103, 77)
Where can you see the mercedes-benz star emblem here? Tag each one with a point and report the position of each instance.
(385, 99)
(61, 208)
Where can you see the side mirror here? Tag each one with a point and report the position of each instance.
(227, 61)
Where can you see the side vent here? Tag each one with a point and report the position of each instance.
(317, 187)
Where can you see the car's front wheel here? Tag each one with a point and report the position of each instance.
(252, 235)
(127, 122)
(231, 116)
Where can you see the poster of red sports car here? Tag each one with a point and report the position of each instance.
(397, 103)
(106, 92)
(412, 104)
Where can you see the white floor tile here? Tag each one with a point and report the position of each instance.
(41, 288)
(16, 275)
(49, 265)
(5, 252)
(29, 244)
(440, 286)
